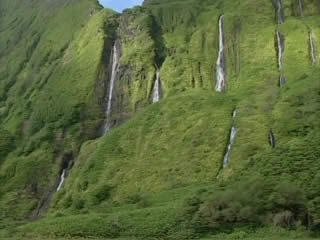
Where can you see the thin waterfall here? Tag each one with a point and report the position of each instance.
(282, 80)
(114, 72)
(221, 62)
(272, 139)
(62, 177)
(280, 12)
(281, 46)
(233, 134)
(156, 95)
(301, 8)
(313, 48)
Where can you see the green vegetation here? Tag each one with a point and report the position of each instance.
(6, 143)
(159, 175)
(48, 105)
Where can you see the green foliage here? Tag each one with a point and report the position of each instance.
(47, 91)
(256, 201)
(150, 147)
(261, 234)
(6, 143)
(156, 175)
(101, 193)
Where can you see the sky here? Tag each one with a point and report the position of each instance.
(119, 5)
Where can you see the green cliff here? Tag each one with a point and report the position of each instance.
(159, 172)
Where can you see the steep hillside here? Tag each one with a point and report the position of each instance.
(174, 120)
(50, 58)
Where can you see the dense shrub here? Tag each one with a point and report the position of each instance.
(256, 201)
(78, 203)
(101, 193)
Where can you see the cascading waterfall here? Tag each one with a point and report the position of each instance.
(157, 88)
(280, 13)
(233, 134)
(301, 8)
(114, 72)
(313, 48)
(281, 46)
(62, 177)
(221, 62)
(272, 139)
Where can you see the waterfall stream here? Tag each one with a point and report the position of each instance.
(221, 62)
(114, 72)
(282, 80)
(157, 88)
(62, 177)
(272, 139)
(301, 8)
(313, 48)
(233, 134)
(280, 12)
(281, 46)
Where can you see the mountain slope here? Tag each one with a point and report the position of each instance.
(159, 172)
(49, 71)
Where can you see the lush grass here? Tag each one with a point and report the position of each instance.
(150, 148)
(153, 176)
(268, 233)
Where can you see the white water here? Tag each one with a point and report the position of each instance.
(313, 48)
(62, 177)
(114, 73)
(272, 139)
(279, 12)
(157, 88)
(280, 40)
(301, 8)
(233, 135)
(221, 75)
(282, 80)
(234, 114)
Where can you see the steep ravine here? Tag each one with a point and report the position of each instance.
(129, 85)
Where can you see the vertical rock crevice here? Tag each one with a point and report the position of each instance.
(301, 6)
(237, 28)
(272, 139)
(200, 75)
(282, 80)
(160, 47)
(280, 47)
(313, 50)
(279, 11)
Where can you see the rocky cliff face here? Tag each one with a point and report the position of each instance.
(137, 66)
